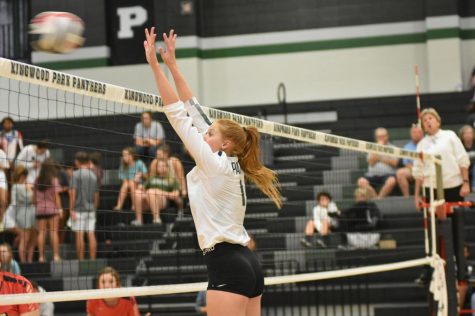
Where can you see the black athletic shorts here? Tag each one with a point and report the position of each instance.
(234, 268)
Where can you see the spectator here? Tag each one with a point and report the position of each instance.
(95, 158)
(404, 174)
(160, 188)
(4, 165)
(148, 136)
(46, 309)
(454, 161)
(24, 211)
(16, 284)
(466, 135)
(11, 140)
(325, 217)
(32, 156)
(7, 262)
(48, 208)
(360, 220)
(84, 200)
(175, 166)
(64, 176)
(132, 172)
(466, 297)
(381, 169)
(124, 306)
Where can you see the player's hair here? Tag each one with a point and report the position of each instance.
(113, 272)
(48, 171)
(81, 157)
(246, 148)
(18, 172)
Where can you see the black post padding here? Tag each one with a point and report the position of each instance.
(458, 232)
(444, 234)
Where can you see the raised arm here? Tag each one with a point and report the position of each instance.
(192, 106)
(167, 93)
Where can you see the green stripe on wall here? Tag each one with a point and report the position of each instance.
(443, 33)
(288, 48)
(313, 46)
(75, 64)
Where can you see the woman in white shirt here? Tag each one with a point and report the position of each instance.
(455, 161)
(225, 154)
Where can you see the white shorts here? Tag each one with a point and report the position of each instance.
(9, 218)
(85, 222)
(3, 180)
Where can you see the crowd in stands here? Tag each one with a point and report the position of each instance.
(41, 200)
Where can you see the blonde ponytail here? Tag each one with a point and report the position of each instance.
(246, 142)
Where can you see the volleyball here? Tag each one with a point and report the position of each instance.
(57, 32)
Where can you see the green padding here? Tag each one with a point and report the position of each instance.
(75, 64)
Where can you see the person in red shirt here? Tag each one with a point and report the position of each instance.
(125, 306)
(16, 284)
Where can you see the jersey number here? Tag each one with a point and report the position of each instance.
(242, 193)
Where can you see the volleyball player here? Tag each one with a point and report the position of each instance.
(225, 154)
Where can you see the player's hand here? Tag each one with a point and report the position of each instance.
(168, 55)
(74, 216)
(149, 46)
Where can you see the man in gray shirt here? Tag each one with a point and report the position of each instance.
(148, 136)
(381, 169)
(84, 200)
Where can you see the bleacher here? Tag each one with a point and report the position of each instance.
(167, 254)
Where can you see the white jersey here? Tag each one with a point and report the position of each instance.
(216, 185)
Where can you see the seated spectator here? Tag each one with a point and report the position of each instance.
(4, 165)
(109, 278)
(132, 172)
(24, 210)
(148, 136)
(160, 187)
(11, 140)
(466, 135)
(360, 220)
(84, 200)
(32, 156)
(404, 174)
(381, 169)
(325, 217)
(48, 208)
(16, 284)
(175, 166)
(7, 262)
(46, 309)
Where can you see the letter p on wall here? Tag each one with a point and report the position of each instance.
(130, 17)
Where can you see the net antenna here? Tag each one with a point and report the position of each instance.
(69, 83)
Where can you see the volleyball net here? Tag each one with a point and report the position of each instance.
(158, 257)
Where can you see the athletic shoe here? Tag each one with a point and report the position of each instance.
(304, 242)
(136, 223)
